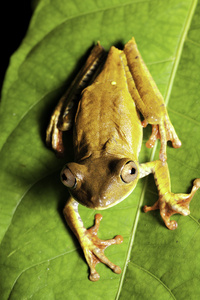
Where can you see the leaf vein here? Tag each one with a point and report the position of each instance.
(155, 277)
(184, 116)
(38, 264)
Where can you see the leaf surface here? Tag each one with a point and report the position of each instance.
(39, 256)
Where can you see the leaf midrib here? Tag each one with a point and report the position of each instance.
(177, 56)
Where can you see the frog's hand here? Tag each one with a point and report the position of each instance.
(92, 246)
(168, 202)
(148, 99)
(63, 115)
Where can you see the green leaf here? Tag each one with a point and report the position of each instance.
(39, 256)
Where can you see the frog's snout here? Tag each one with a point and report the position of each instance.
(96, 201)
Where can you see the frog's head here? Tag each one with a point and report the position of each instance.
(101, 182)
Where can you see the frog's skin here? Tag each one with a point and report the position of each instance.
(107, 142)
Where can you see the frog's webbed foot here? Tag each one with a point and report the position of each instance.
(94, 248)
(170, 204)
(165, 132)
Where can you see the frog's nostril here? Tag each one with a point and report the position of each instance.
(96, 201)
(93, 199)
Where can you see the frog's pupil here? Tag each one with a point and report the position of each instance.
(64, 177)
(132, 171)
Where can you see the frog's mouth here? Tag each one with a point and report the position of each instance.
(107, 196)
(111, 203)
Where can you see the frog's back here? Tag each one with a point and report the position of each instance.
(106, 118)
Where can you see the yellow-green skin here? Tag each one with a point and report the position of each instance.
(107, 135)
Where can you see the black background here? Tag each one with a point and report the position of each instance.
(15, 16)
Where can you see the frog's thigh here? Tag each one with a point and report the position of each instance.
(149, 100)
(153, 107)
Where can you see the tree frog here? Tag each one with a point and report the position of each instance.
(103, 105)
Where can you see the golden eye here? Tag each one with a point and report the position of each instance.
(68, 178)
(129, 172)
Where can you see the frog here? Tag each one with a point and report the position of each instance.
(105, 105)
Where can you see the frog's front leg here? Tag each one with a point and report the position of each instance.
(168, 202)
(149, 100)
(92, 246)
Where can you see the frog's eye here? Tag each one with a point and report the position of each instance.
(68, 178)
(129, 172)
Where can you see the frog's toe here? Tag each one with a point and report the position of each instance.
(181, 208)
(150, 208)
(196, 183)
(158, 132)
(172, 225)
(167, 133)
(94, 276)
(176, 143)
(94, 250)
(102, 258)
(154, 136)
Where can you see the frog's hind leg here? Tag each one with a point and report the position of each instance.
(63, 115)
(149, 100)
